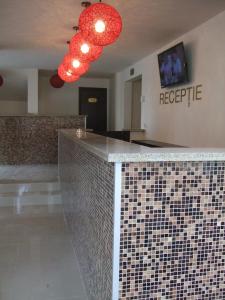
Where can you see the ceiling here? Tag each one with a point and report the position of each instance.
(33, 33)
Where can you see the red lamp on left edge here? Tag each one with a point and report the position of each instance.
(66, 75)
(1, 81)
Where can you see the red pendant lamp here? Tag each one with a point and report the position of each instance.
(74, 65)
(1, 81)
(66, 75)
(56, 81)
(100, 24)
(83, 49)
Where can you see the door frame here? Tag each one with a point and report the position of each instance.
(128, 99)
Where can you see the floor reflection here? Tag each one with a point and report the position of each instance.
(37, 260)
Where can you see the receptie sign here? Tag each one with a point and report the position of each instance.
(188, 95)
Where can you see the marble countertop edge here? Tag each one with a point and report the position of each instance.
(163, 157)
(112, 150)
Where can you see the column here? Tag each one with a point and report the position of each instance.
(32, 88)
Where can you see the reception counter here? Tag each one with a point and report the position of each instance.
(33, 139)
(146, 223)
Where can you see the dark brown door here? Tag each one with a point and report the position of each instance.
(93, 104)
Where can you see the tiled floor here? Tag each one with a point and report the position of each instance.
(37, 261)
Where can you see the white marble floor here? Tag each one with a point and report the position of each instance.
(28, 173)
(37, 261)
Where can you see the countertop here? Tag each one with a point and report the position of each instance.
(150, 143)
(134, 130)
(112, 150)
(39, 115)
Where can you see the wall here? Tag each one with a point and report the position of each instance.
(27, 90)
(9, 107)
(112, 104)
(13, 93)
(202, 124)
(65, 101)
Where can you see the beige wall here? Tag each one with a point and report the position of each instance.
(21, 85)
(13, 108)
(13, 93)
(202, 124)
(64, 101)
(54, 101)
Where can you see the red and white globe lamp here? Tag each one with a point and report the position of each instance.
(74, 65)
(82, 48)
(66, 74)
(100, 24)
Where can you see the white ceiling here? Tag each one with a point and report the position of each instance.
(33, 33)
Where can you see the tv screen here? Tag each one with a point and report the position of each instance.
(173, 66)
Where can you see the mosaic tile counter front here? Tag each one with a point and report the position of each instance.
(171, 242)
(33, 139)
(173, 231)
(87, 194)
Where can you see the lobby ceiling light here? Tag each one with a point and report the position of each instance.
(100, 24)
(75, 65)
(66, 74)
(1, 81)
(81, 48)
(56, 81)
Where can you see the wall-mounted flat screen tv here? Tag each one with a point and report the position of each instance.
(173, 66)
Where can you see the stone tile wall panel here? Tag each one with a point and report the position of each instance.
(33, 139)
